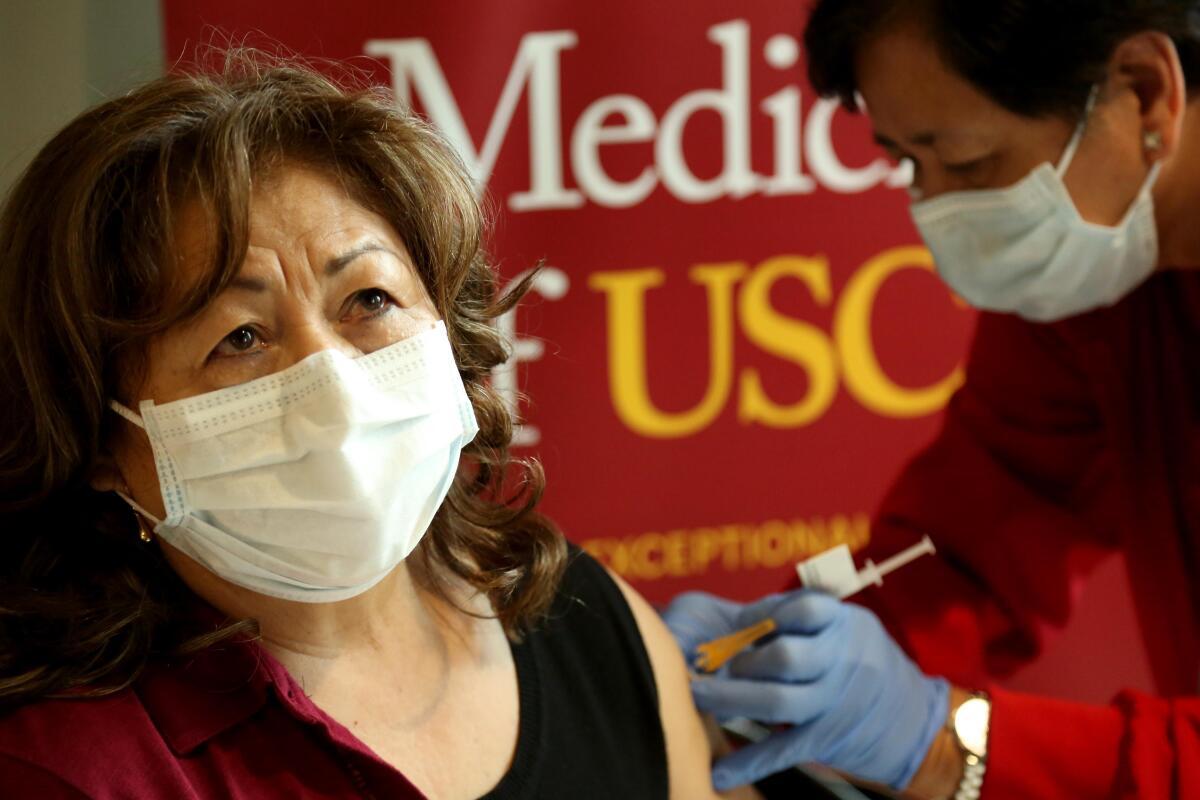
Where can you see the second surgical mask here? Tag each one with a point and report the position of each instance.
(1025, 249)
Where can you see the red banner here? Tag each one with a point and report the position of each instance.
(736, 341)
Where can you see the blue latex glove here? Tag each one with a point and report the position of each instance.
(853, 698)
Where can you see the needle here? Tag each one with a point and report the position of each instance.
(711, 655)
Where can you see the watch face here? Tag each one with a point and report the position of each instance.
(971, 725)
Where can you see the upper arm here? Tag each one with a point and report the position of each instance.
(1014, 492)
(689, 754)
(1029, 403)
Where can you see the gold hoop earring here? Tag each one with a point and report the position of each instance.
(1152, 141)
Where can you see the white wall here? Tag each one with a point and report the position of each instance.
(57, 57)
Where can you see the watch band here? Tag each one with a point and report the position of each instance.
(972, 780)
(969, 724)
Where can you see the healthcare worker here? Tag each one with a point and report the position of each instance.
(1056, 154)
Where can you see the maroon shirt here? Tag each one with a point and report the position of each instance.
(232, 723)
(1068, 442)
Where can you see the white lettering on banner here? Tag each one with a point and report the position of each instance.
(536, 70)
(536, 64)
(591, 132)
(781, 52)
(552, 284)
(732, 104)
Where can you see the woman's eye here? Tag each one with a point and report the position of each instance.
(370, 302)
(373, 299)
(241, 340)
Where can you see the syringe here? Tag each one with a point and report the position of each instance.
(833, 571)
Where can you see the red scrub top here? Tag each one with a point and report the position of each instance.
(1068, 441)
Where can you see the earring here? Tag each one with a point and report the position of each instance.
(144, 532)
(1152, 141)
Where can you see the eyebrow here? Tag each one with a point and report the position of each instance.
(335, 265)
(332, 267)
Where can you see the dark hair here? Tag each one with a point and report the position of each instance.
(1033, 57)
(84, 239)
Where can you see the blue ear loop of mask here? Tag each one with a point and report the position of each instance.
(137, 507)
(136, 420)
(1068, 155)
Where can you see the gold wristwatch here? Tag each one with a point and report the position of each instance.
(969, 724)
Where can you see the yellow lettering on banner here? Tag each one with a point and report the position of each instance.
(618, 554)
(594, 548)
(751, 551)
(704, 545)
(865, 378)
(813, 536)
(675, 554)
(775, 551)
(735, 547)
(793, 340)
(730, 548)
(626, 319)
(848, 350)
(642, 562)
(860, 532)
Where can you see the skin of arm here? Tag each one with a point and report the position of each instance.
(689, 749)
(942, 769)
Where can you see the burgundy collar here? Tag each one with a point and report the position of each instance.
(193, 698)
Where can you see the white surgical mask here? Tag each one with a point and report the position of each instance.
(313, 483)
(1025, 249)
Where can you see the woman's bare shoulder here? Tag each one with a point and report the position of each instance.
(689, 747)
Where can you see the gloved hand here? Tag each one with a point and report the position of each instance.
(853, 698)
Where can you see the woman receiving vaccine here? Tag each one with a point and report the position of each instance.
(260, 534)
(1055, 148)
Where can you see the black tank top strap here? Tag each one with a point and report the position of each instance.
(589, 725)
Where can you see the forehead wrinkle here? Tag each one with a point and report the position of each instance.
(309, 223)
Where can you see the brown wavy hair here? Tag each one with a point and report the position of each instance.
(84, 237)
